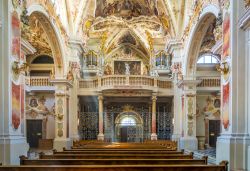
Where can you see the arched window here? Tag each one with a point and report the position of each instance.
(208, 59)
(43, 59)
(128, 120)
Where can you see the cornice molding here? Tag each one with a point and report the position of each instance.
(62, 82)
(27, 48)
(244, 21)
(188, 83)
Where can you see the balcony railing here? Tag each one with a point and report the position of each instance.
(125, 81)
(38, 81)
(210, 82)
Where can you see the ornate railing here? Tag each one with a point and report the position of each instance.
(38, 81)
(120, 80)
(210, 82)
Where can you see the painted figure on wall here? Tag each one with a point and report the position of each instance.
(134, 67)
(16, 35)
(16, 105)
(33, 102)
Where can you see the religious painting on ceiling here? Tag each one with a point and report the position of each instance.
(226, 58)
(126, 8)
(16, 106)
(16, 35)
(127, 67)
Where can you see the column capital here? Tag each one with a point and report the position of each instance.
(154, 98)
(100, 97)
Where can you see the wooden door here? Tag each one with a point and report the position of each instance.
(34, 132)
(214, 132)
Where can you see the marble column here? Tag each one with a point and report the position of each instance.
(177, 120)
(234, 140)
(62, 138)
(154, 135)
(188, 140)
(13, 142)
(100, 102)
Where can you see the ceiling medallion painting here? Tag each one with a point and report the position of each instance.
(126, 8)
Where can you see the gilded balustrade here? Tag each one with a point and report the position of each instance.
(38, 81)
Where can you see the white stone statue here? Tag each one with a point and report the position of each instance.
(127, 67)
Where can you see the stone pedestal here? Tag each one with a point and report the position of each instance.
(60, 143)
(189, 143)
(233, 148)
(11, 148)
(153, 136)
(100, 137)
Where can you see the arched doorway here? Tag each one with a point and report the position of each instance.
(128, 127)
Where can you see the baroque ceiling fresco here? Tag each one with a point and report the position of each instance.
(138, 23)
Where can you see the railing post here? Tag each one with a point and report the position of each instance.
(127, 79)
(99, 82)
(155, 82)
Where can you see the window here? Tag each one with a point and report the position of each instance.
(43, 59)
(128, 120)
(208, 59)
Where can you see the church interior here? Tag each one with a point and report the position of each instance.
(124, 85)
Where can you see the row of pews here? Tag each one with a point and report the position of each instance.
(101, 156)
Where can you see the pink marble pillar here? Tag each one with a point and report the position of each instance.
(154, 135)
(100, 135)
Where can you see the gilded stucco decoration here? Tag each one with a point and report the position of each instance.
(36, 36)
(190, 115)
(247, 3)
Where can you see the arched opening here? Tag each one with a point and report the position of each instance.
(197, 43)
(128, 127)
(48, 40)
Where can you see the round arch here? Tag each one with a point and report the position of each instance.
(133, 131)
(198, 31)
(54, 38)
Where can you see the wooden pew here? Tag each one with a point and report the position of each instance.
(168, 145)
(115, 156)
(25, 161)
(221, 167)
(117, 152)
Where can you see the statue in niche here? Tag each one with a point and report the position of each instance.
(127, 69)
(108, 70)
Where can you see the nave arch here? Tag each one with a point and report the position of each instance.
(196, 37)
(54, 36)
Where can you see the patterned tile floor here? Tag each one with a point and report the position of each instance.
(211, 152)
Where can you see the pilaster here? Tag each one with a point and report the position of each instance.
(62, 138)
(13, 143)
(234, 141)
(188, 139)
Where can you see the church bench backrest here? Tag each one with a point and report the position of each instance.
(222, 167)
(114, 162)
(121, 156)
